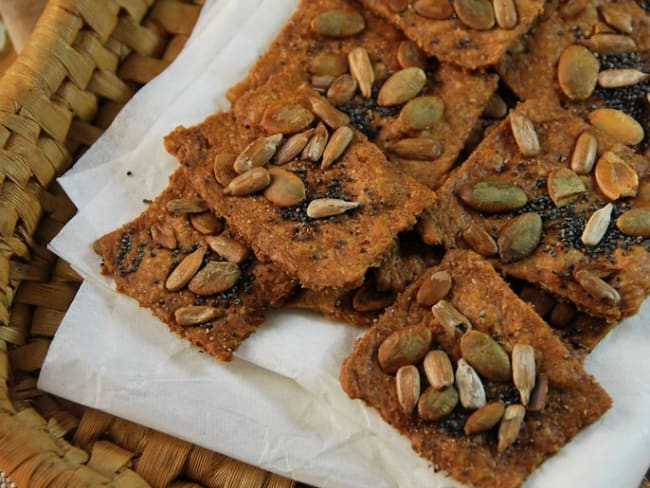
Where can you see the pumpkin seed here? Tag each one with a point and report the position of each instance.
(206, 223)
(328, 64)
(635, 222)
(597, 287)
(436, 404)
(418, 148)
(618, 78)
(185, 270)
(541, 301)
(397, 6)
(610, 44)
(525, 135)
(484, 418)
(338, 24)
(434, 288)
(519, 238)
(164, 235)
(617, 17)
(475, 14)
(470, 387)
(342, 90)
(511, 423)
(250, 182)
(401, 87)
(479, 240)
(292, 147)
(330, 115)
(577, 72)
(337, 145)
(584, 153)
(215, 277)
(562, 315)
(454, 322)
(618, 125)
(286, 119)
(421, 112)
(286, 188)
(523, 370)
(196, 314)
(222, 168)
(316, 145)
(361, 70)
(327, 207)
(615, 178)
(539, 394)
(186, 205)
(409, 55)
(228, 248)
(505, 13)
(485, 355)
(597, 225)
(438, 370)
(404, 347)
(433, 9)
(564, 186)
(496, 107)
(257, 153)
(492, 195)
(407, 382)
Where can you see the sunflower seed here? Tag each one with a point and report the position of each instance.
(328, 64)
(369, 299)
(541, 301)
(327, 207)
(342, 90)
(635, 222)
(505, 13)
(401, 87)
(484, 418)
(338, 24)
(417, 148)
(164, 235)
(247, 183)
(337, 145)
(470, 387)
(479, 240)
(602, 28)
(523, 370)
(562, 315)
(618, 125)
(539, 394)
(519, 238)
(397, 6)
(511, 423)
(206, 223)
(215, 277)
(597, 225)
(286, 188)
(496, 107)
(434, 288)
(228, 248)
(525, 135)
(617, 17)
(292, 147)
(597, 287)
(361, 70)
(577, 72)
(330, 115)
(615, 178)
(257, 153)
(421, 112)
(618, 78)
(316, 145)
(222, 168)
(321, 83)
(584, 153)
(436, 404)
(454, 322)
(438, 369)
(186, 206)
(573, 8)
(196, 314)
(485, 355)
(564, 186)
(610, 44)
(492, 195)
(475, 14)
(403, 347)
(185, 270)
(286, 119)
(407, 382)
(409, 55)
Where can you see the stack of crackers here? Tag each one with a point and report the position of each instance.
(468, 179)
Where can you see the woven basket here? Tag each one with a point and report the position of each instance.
(84, 60)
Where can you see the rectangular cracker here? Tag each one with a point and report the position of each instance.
(574, 398)
(139, 266)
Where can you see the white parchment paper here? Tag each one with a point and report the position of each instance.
(279, 404)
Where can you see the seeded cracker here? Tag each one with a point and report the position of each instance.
(141, 266)
(452, 41)
(574, 399)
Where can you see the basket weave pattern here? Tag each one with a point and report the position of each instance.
(83, 62)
